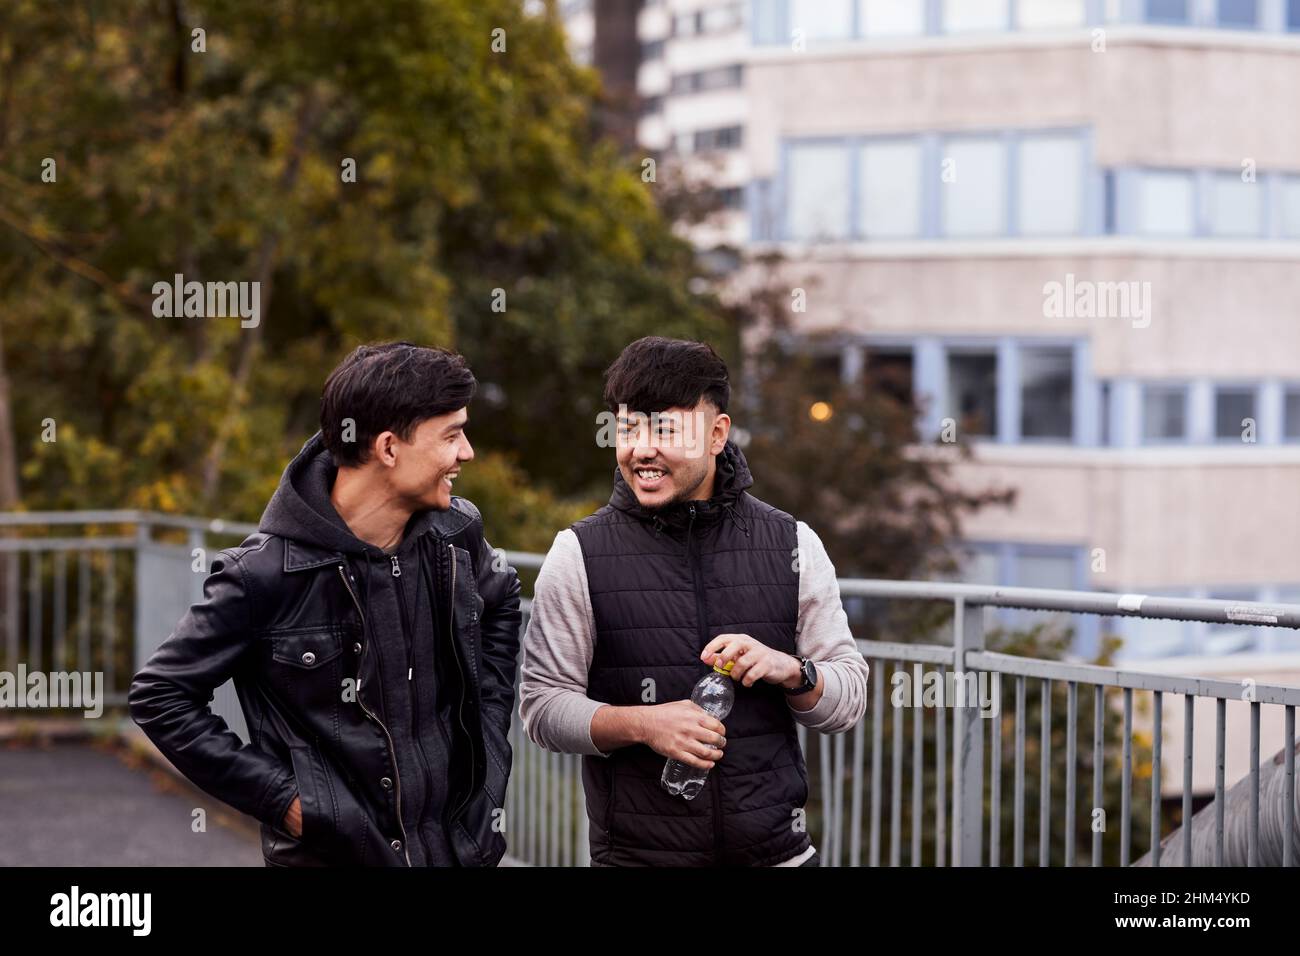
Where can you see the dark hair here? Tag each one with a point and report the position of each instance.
(655, 373)
(389, 387)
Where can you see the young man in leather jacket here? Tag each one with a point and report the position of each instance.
(371, 633)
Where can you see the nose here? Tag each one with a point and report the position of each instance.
(466, 450)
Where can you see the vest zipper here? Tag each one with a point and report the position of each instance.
(697, 579)
(392, 753)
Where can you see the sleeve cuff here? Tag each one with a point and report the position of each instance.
(825, 707)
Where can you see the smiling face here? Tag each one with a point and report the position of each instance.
(669, 456)
(421, 471)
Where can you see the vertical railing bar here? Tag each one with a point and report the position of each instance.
(837, 832)
(824, 775)
(896, 786)
(1220, 732)
(529, 805)
(34, 608)
(1288, 816)
(1126, 786)
(1253, 842)
(60, 662)
(1157, 736)
(941, 774)
(968, 736)
(877, 752)
(1018, 836)
(1045, 778)
(1098, 768)
(13, 574)
(1189, 718)
(918, 769)
(83, 611)
(1072, 714)
(855, 806)
(110, 621)
(995, 786)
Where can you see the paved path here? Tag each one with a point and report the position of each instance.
(71, 804)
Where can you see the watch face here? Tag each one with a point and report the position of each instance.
(809, 674)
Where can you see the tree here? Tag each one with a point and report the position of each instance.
(401, 176)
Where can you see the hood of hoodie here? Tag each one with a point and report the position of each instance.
(732, 478)
(301, 510)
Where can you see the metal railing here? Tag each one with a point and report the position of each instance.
(849, 796)
(105, 598)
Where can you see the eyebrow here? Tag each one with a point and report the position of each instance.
(456, 426)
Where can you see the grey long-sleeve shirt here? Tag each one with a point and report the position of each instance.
(561, 638)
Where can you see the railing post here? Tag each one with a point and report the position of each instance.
(968, 741)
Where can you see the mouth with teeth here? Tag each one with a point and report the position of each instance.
(447, 479)
(650, 479)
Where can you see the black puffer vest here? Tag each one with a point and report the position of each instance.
(663, 584)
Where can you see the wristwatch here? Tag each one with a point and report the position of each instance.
(809, 678)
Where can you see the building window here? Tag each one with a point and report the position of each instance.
(652, 49)
(1164, 413)
(890, 371)
(890, 18)
(889, 184)
(730, 197)
(1291, 415)
(1050, 14)
(719, 19)
(973, 391)
(1232, 407)
(1236, 207)
(1167, 11)
(965, 16)
(650, 105)
(719, 78)
(1050, 196)
(686, 24)
(1291, 207)
(974, 187)
(1047, 393)
(822, 19)
(1293, 15)
(1239, 14)
(817, 187)
(1165, 204)
(726, 137)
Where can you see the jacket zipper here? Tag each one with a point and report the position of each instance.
(460, 708)
(698, 582)
(392, 753)
(415, 701)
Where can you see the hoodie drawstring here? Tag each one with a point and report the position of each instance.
(737, 519)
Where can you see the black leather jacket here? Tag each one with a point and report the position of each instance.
(283, 618)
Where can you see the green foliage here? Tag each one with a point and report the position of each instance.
(477, 170)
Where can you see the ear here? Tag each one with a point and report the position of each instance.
(721, 432)
(384, 449)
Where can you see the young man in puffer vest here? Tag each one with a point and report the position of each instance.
(681, 571)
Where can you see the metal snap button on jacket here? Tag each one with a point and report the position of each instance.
(309, 658)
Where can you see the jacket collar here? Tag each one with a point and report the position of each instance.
(303, 555)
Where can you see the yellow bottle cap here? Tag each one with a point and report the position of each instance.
(726, 669)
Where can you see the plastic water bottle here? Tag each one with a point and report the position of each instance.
(715, 694)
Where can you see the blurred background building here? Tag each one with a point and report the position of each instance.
(1072, 225)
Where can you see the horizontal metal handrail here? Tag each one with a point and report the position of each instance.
(1105, 603)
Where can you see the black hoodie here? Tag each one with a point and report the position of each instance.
(417, 718)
